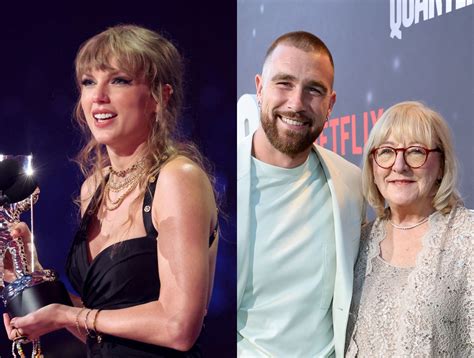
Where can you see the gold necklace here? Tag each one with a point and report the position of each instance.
(116, 185)
(128, 183)
(123, 173)
(119, 180)
(114, 204)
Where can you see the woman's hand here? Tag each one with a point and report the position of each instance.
(47, 319)
(12, 332)
(21, 230)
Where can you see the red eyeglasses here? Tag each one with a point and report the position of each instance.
(415, 156)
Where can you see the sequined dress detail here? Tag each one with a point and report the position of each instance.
(424, 311)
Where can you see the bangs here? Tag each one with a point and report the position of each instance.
(406, 125)
(111, 52)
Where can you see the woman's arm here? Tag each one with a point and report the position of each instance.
(184, 212)
(79, 334)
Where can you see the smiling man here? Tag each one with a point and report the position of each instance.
(300, 209)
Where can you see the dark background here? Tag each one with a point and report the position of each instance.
(37, 95)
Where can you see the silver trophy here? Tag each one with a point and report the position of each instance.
(30, 289)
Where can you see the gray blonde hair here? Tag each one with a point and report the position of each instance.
(419, 123)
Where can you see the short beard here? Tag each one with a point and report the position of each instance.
(290, 142)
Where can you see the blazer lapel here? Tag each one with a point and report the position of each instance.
(346, 251)
(244, 152)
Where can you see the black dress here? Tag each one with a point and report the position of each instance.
(122, 275)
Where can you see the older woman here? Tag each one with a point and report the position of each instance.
(143, 259)
(413, 282)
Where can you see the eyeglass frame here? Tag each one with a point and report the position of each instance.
(403, 150)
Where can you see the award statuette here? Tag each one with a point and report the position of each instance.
(30, 290)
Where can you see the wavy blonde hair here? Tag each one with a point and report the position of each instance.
(147, 55)
(406, 122)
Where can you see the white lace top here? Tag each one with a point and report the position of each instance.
(427, 311)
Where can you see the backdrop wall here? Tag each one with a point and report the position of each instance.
(385, 51)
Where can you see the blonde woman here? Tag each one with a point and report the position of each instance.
(413, 281)
(143, 258)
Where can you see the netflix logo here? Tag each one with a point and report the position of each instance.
(347, 134)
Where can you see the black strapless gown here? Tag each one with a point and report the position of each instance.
(122, 275)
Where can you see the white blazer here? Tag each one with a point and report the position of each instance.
(344, 182)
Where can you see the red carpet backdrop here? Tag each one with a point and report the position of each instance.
(385, 51)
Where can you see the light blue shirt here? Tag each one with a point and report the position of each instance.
(286, 306)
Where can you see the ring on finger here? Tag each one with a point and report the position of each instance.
(15, 332)
(20, 336)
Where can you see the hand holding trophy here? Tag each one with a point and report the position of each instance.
(29, 289)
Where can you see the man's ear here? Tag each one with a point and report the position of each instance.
(332, 101)
(259, 87)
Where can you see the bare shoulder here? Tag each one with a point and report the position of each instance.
(183, 181)
(183, 173)
(184, 193)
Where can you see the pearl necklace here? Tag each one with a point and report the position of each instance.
(408, 227)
